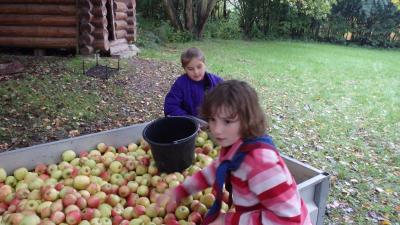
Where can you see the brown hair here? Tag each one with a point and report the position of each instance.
(241, 100)
(190, 54)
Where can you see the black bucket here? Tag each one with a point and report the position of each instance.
(172, 142)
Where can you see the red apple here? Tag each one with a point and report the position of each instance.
(116, 220)
(124, 191)
(139, 210)
(169, 217)
(41, 168)
(131, 199)
(195, 217)
(122, 149)
(73, 217)
(81, 203)
(93, 201)
(57, 217)
(87, 214)
(69, 199)
(83, 154)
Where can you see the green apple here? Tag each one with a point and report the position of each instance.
(30, 220)
(102, 147)
(81, 182)
(116, 166)
(10, 180)
(136, 221)
(182, 212)
(36, 184)
(199, 141)
(20, 173)
(132, 147)
(105, 210)
(117, 178)
(207, 199)
(84, 222)
(3, 175)
(68, 155)
(143, 190)
(151, 210)
(105, 221)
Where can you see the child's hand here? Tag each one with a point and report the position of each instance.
(220, 220)
(167, 201)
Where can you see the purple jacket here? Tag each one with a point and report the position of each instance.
(186, 95)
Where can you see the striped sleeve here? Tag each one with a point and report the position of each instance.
(270, 180)
(197, 182)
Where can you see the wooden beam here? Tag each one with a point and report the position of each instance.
(37, 42)
(120, 24)
(86, 15)
(37, 20)
(130, 29)
(66, 2)
(99, 11)
(131, 37)
(103, 45)
(120, 7)
(120, 33)
(86, 39)
(100, 34)
(121, 16)
(131, 20)
(130, 12)
(86, 50)
(85, 5)
(37, 31)
(99, 22)
(86, 26)
(40, 9)
(99, 2)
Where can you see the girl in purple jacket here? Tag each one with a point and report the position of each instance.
(187, 93)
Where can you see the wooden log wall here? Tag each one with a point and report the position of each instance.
(124, 25)
(38, 23)
(91, 25)
(131, 36)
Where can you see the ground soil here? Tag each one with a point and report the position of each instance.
(144, 84)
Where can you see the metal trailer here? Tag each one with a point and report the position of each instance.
(313, 184)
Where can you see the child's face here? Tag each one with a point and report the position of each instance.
(225, 130)
(195, 69)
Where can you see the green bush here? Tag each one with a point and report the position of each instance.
(168, 34)
(223, 29)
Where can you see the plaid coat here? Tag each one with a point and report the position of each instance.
(263, 190)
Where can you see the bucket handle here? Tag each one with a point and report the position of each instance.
(200, 122)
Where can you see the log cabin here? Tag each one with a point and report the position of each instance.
(89, 26)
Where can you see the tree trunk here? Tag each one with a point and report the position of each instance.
(225, 13)
(204, 9)
(171, 13)
(189, 15)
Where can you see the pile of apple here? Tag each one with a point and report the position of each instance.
(106, 186)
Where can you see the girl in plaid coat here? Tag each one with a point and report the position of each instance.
(262, 189)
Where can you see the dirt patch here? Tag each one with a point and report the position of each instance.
(141, 85)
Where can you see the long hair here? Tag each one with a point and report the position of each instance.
(241, 100)
(192, 53)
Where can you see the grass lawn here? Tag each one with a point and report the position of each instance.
(334, 107)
